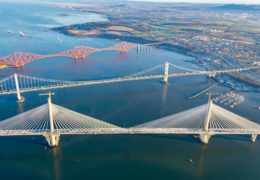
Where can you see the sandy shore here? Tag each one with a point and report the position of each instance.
(83, 33)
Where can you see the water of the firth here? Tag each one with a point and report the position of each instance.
(124, 104)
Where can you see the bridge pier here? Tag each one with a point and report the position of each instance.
(211, 75)
(166, 73)
(52, 139)
(204, 138)
(253, 137)
(20, 98)
(79, 57)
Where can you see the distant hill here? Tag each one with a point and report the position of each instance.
(239, 7)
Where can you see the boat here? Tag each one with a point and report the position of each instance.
(21, 34)
(190, 161)
(60, 40)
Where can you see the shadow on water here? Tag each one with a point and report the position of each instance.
(201, 160)
(164, 95)
(252, 147)
(19, 70)
(122, 56)
(56, 154)
(20, 108)
(81, 61)
(187, 138)
(244, 138)
(164, 98)
(194, 139)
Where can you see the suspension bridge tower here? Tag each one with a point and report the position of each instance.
(166, 73)
(20, 98)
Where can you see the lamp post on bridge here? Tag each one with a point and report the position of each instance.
(52, 137)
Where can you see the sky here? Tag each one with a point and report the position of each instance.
(191, 1)
(210, 1)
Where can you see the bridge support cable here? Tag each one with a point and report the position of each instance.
(182, 68)
(7, 84)
(205, 120)
(226, 121)
(156, 70)
(51, 121)
(17, 84)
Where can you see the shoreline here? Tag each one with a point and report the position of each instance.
(164, 46)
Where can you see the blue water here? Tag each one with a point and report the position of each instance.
(124, 104)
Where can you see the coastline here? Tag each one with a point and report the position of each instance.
(165, 46)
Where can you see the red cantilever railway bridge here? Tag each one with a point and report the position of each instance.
(18, 59)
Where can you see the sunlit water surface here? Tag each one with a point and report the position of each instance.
(124, 104)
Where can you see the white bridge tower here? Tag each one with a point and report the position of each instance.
(52, 137)
(206, 136)
(20, 98)
(166, 73)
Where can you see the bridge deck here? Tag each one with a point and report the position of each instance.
(132, 131)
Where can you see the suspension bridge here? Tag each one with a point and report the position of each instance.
(18, 59)
(17, 84)
(51, 121)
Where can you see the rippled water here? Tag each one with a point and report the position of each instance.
(124, 104)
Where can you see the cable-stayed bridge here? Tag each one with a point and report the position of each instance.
(51, 121)
(17, 84)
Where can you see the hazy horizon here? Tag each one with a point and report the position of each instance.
(169, 1)
(207, 1)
